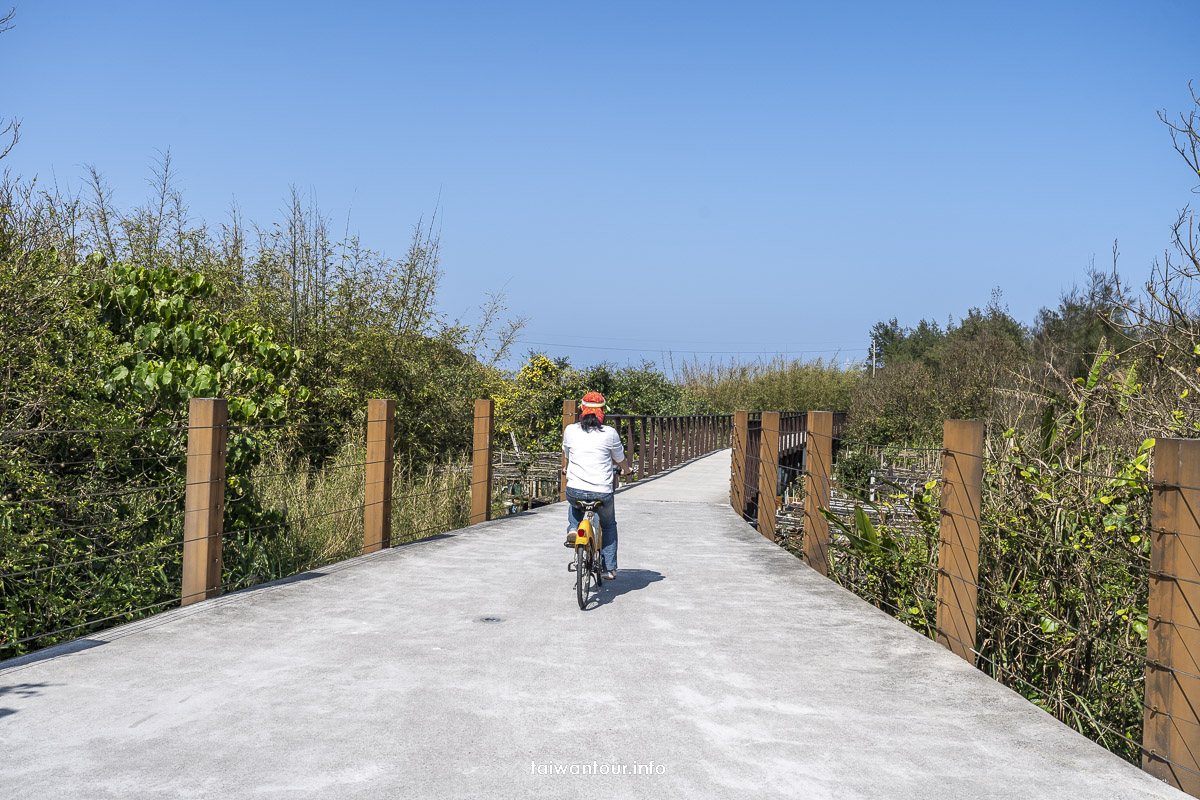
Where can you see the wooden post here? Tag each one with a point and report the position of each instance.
(644, 470)
(665, 441)
(204, 499)
(481, 463)
(1171, 736)
(651, 425)
(631, 446)
(958, 543)
(737, 476)
(818, 466)
(668, 442)
(377, 519)
(570, 412)
(768, 473)
(660, 439)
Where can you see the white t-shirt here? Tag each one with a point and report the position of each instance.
(590, 457)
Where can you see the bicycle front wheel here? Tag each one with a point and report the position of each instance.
(583, 575)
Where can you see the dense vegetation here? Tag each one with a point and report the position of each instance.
(1073, 404)
(111, 320)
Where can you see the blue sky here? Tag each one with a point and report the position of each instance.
(705, 179)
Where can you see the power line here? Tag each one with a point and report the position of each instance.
(726, 342)
(797, 351)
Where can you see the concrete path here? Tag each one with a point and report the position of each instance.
(717, 666)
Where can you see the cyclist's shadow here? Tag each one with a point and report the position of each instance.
(628, 580)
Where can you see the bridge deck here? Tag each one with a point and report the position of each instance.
(717, 658)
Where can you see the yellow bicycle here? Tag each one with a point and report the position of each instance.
(588, 542)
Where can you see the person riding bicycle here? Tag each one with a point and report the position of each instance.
(591, 448)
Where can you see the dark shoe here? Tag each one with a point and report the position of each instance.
(570, 542)
(609, 575)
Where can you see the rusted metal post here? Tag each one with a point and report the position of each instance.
(768, 473)
(818, 467)
(1171, 736)
(481, 463)
(204, 499)
(958, 542)
(570, 411)
(737, 475)
(377, 516)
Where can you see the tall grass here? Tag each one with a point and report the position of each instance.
(778, 384)
(320, 510)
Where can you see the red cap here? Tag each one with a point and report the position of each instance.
(593, 403)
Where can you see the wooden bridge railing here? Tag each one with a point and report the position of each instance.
(1170, 744)
(658, 443)
(653, 443)
(760, 464)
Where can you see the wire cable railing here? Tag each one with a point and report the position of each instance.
(1040, 623)
(282, 515)
(109, 535)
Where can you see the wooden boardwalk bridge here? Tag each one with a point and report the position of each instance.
(716, 665)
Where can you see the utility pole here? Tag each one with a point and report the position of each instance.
(872, 356)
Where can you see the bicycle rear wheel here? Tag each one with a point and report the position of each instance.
(583, 575)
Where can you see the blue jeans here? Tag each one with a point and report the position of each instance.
(607, 513)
